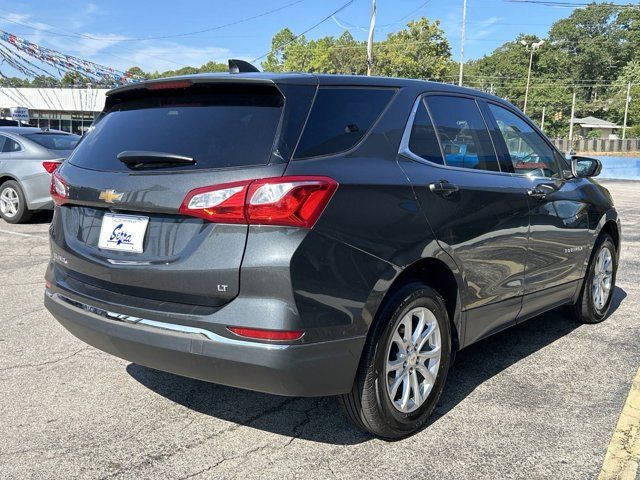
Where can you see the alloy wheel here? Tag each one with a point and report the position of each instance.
(602, 278)
(9, 202)
(412, 360)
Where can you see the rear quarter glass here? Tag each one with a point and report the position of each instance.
(218, 127)
(340, 118)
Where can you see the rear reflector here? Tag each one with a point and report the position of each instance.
(59, 190)
(295, 201)
(50, 167)
(261, 334)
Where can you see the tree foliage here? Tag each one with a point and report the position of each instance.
(420, 50)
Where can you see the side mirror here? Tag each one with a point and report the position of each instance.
(585, 166)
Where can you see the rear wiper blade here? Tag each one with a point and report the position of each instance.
(141, 157)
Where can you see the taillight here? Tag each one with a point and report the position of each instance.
(59, 190)
(261, 334)
(290, 201)
(221, 203)
(50, 167)
(285, 201)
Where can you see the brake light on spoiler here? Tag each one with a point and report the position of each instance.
(295, 201)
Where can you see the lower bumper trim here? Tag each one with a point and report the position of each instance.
(311, 369)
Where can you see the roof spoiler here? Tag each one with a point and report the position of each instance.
(240, 66)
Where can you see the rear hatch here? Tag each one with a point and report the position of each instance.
(120, 234)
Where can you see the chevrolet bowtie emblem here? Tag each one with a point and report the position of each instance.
(110, 196)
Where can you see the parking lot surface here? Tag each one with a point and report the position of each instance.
(540, 400)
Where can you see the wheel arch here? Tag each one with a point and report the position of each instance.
(440, 276)
(611, 227)
(4, 177)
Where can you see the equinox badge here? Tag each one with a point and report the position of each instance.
(110, 196)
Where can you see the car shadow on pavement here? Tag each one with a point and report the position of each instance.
(42, 216)
(321, 419)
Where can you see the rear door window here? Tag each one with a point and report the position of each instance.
(54, 141)
(218, 127)
(463, 133)
(529, 152)
(423, 141)
(340, 118)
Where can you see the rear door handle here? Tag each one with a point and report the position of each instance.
(541, 191)
(443, 187)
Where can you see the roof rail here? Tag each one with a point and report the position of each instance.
(240, 66)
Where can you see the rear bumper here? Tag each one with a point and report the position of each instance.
(313, 369)
(36, 189)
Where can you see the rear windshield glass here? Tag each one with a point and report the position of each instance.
(340, 117)
(55, 141)
(225, 127)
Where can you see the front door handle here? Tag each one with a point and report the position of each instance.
(443, 187)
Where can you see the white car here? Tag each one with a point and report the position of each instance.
(28, 157)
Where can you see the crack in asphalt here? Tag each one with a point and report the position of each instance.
(180, 449)
(296, 430)
(48, 362)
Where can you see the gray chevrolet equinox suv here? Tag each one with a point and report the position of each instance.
(316, 235)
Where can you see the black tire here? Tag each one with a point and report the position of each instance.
(585, 309)
(369, 406)
(22, 213)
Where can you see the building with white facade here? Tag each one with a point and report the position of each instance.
(68, 109)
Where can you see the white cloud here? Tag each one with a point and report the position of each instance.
(110, 49)
(151, 55)
(486, 27)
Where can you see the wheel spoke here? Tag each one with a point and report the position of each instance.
(425, 337)
(429, 354)
(406, 391)
(395, 365)
(399, 341)
(396, 383)
(420, 327)
(407, 322)
(426, 373)
(415, 386)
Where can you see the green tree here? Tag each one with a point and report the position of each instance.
(596, 42)
(136, 72)
(630, 73)
(280, 43)
(74, 79)
(419, 51)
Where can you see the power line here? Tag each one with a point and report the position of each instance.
(345, 5)
(163, 37)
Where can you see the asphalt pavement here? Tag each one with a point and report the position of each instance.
(540, 400)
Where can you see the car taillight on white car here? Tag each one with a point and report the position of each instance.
(51, 165)
(295, 201)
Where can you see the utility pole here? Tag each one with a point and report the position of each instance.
(544, 109)
(533, 47)
(573, 112)
(626, 111)
(464, 26)
(370, 40)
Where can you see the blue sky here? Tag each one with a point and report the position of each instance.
(119, 30)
